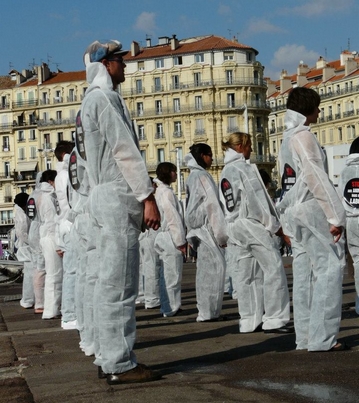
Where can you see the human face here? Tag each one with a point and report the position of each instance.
(313, 117)
(173, 176)
(116, 69)
(245, 149)
(208, 159)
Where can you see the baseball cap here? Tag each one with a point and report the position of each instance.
(98, 50)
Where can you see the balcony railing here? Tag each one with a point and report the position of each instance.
(56, 122)
(7, 199)
(177, 133)
(5, 105)
(9, 221)
(159, 135)
(24, 104)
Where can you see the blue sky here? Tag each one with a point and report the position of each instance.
(283, 31)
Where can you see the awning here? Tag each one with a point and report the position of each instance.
(26, 166)
(17, 114)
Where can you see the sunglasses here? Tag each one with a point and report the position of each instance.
(117, 59)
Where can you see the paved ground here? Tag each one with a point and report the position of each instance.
(201, 362)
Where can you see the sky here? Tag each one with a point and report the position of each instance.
(284, 32)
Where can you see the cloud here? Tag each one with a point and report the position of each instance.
(318, 7)
(146, 22)
(287, 57)
(261, 25)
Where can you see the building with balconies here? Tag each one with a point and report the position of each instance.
(337, 83)
(200, 89)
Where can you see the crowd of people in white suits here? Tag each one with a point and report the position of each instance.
(101, 200)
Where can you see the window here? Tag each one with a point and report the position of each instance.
(58, 115)
(158, 86)
(159, 131)
(33, 153)
(256, 77)
(143, 154)
(176, 105)
(139, 108)
(199, 127)
(274, 147)
(7, 169)
(197, 79)
(21, 153)
(139, 87)
(177, 60)
(141, 66)
(58, 97)
(60, 136)
(141, 132)
(340, 133)
(229, 76)
(32, 119)
(160, 63)
(158, 106)
(198, 102)
(199, 58)
(249, 56)
(259, 126)
(71, 95)
(177, 129)
(350, 132)
(228, 55)
(324, 140)
(331, 135)
(47, 144)
(32, 135)
(5, 143)
(232, 124)
(161, 155)
(231, 101)
(20, 135)
(175, 82)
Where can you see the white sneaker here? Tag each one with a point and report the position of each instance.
(70, 325)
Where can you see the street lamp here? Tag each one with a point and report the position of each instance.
(176, 150)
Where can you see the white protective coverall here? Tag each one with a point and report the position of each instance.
(170, 236)
(46, 209)
(251, 223)
(307, 210)
(63, 243)
(151, 267)
(349, 190)
(121, 183)
(35, 247)
(206, 228)
(23, 254)
(78, 216)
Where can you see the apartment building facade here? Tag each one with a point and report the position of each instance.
(337, 83)
(178, 92)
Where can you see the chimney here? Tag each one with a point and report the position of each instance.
(350, 66)
(163, 40)
(174, 42)
(328, 72)
(135, 48)
(285, 82)
(148, 42)
(321, 63)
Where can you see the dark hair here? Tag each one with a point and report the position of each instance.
(21, 199)
(354, 148)
(303, 100)
(63, 147)
(48, 175)
(265, 177)
(163, 171)
(197, 150)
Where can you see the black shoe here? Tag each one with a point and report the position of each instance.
(100, 373)
(141, 373)
(281, 330)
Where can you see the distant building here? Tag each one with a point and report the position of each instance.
(337, 83)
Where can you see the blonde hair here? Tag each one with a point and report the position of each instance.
(234, 139)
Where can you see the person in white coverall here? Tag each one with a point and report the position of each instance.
(349, 191)
(47, 208)
(64, 246)
(313, 216)
(120, 199)
(170, 241)
(37, 256)
(257, 266)
(207, 232)
(23, 253)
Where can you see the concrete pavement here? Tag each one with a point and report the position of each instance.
(200, 362)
